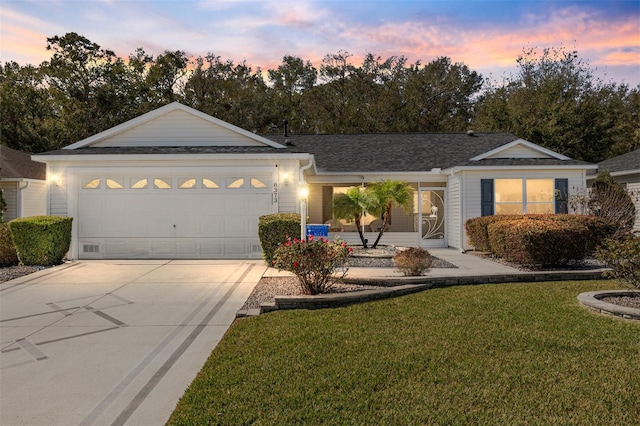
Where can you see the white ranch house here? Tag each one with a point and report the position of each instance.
(178, 183)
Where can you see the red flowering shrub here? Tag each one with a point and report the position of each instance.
(313, 262)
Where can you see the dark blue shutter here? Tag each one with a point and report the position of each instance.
(562, 195)
(486, 187)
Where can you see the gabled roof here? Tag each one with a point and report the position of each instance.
(18, 165)
(628, 163)
(411, 152)
(174, 125)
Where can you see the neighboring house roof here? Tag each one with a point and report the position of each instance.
(410, 152)
(18, 165)
(628, 163)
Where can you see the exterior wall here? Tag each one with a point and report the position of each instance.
(454, 207)
(10, 193)
(288, 180)
(518, 151)
(34, 199)
(178, 126)
(65, 180)
(471, 192)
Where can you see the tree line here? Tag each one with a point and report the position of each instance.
(553, 100)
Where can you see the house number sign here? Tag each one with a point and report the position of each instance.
(275, 193)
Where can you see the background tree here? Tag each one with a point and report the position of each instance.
(440, 96)
(289, 82)
(27, 111)
(555, 101)
(228, 91)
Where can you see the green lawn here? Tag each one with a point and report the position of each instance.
(488, 354)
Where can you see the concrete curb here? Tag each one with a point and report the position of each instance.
(398, 286)
(592, 300)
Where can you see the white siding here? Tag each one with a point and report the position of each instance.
(453, 212)
(57, 194)
(34, 199)
(288, 187)
(519, 151)
(471, 187)
(10, 193)
(178, 128)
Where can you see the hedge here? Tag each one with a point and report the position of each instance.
(8, 255)
(273, 230)
(41, 240)
(538, 243)
(477, 229)
(599, 228)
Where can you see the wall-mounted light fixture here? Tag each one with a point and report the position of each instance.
(55, 180)
(286, 178)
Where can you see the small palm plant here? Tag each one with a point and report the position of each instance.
(387, 194)
(351, 206)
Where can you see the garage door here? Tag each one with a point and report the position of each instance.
(188, 216)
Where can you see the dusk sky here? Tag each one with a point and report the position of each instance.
(487, 36)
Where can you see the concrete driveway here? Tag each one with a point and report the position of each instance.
(112, 342)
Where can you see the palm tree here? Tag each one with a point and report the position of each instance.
(387, 194)
(351, 206)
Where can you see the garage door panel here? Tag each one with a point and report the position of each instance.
(171, 223)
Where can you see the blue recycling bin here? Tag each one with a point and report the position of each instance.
(317, 230)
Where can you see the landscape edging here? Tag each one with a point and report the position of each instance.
(398, 286)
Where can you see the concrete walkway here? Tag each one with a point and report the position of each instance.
(117, 342)
(467, 264)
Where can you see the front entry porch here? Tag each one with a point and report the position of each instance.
(423, 226)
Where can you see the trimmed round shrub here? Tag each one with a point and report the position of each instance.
(538, 243)
(41, 240)
(413, 261)
(275, 229)
(8, 255)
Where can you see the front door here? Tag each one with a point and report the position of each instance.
(432, 212)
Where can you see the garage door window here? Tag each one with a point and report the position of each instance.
(186, 183)
(138, 183)
(209, 184)
(115, 183)
(257, 183)
(234, 183)
(90, 183)
(162, 183)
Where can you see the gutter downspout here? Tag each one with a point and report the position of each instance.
(303, 201)
(20, 206)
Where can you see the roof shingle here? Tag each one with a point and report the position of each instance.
(18, 164)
